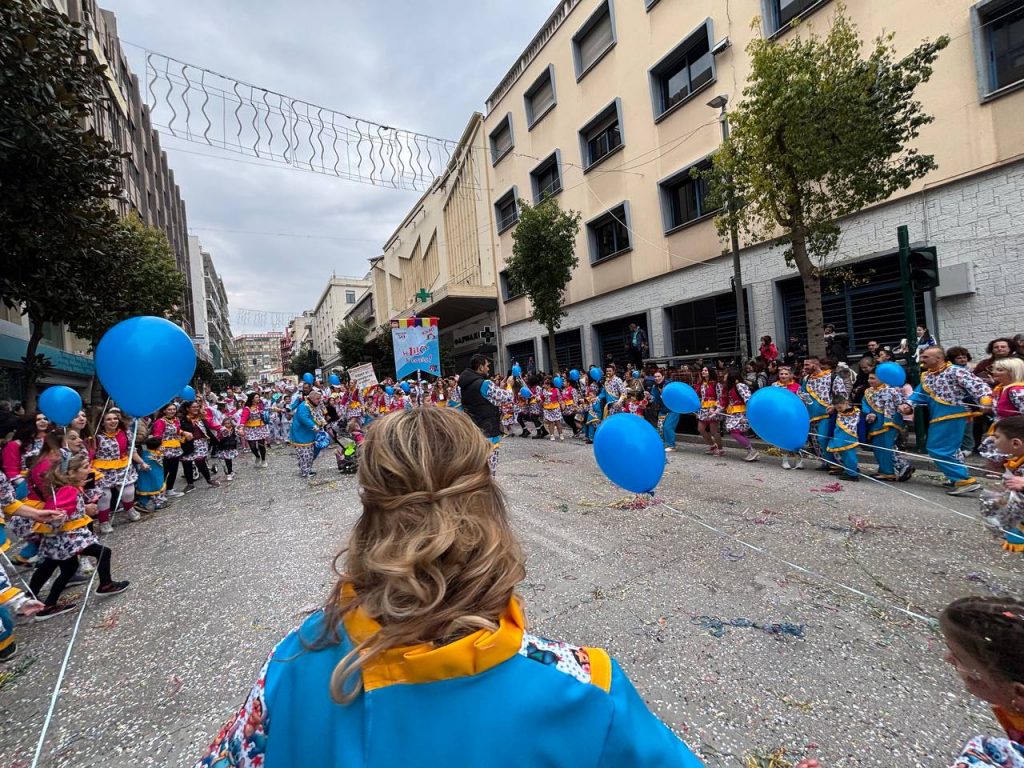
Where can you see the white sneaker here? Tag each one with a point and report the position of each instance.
(256, 461)
(229, 478)
(106, 528)
(85, 565)
(669, 449)
(751, 455)
(562, 438)
(552, 438)
(174, 494)
(265, 465)
(785, 463)
(799, 464)
(134, 515)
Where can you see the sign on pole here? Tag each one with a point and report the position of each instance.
(363, 376)
(416, 346)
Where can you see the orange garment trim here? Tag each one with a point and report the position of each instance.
(709, 403)
(1014, 463)
(469, 655)
(948, 416)
(9, 594)
(254, 423)
(926, 388)
(301, 445)
(171, 443)
(11, 508)
(5, 546)
(736, 409)
(1012, 722)
(6, 641)
(110, 463)
(70, 525)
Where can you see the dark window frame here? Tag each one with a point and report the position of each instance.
(777, 24)
(614, 109)
(668, 67)
(667, 189)
(506, 288)
(547, 76)
(503, 223)
(618, 217)
(553, 160)
(607, 8)
(983, 16)
(496, 156)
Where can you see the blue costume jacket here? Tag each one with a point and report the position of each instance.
(501, 699)
(303, 429)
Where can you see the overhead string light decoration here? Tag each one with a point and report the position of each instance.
(202, 106)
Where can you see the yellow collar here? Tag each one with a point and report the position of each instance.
(940, 369)
(820, 374)
(424, 663)
(1013, 463)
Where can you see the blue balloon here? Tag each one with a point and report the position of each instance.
(558, 381)
(187, 394)
(680, 397)
(517, 370)
(334, 380)
(891, 374)
(389, 389)
(526, 392)
(780, 417)
(574, 375)
(485, 387)
(143, 362)
(595, 374)
(308, 378)
(60, 404)
(630, 452)
(406, 387)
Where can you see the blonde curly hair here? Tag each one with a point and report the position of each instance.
(432, 558)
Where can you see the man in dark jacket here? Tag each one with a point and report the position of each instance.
(481, 399)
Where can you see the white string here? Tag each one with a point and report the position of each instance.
(60, 675)
(18, 576)
(802, 569)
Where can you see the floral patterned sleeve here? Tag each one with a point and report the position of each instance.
(744, 391)
(839, 386)
(978, 389)
(989, 751)
(1017, 398)
(499, 395)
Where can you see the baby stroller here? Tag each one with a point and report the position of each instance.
(346, 454)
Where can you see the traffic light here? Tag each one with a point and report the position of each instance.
(924, 269)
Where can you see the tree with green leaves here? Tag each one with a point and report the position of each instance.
(237, 377)
(350, 339)
(822, 131)
(542, 261)
(382, 350)
(56, 176)
(306, 360)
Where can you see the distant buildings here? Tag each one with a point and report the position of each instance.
(212, 334)
(339, 296)
(259, 355)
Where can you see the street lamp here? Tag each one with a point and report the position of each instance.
(720, 102)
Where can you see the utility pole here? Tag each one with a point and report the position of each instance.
(720, 102)
(910, 319)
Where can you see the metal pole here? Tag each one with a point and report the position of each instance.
(910, 318)
(737, 277)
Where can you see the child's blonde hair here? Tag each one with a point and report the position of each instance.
(62, 472)
(432, 557)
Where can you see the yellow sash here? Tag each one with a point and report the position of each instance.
(70, 525)
(736, 409)
(110, 463)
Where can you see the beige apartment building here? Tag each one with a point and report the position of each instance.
(439, 262)
(259, 355)
(607, 109)
(338, 297)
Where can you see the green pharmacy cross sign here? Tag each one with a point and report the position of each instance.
(423, 295)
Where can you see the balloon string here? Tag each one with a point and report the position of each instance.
(124, 478)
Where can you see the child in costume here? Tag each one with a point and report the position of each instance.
(149, 488)
(709, 417)
(842, 448)
(569, 400)
(787, 381)
(550, 399)
(734, 405)
(636, 402)
(1004, 509)
(68, 538)
(453, 662)
(226, 447)
(881, 405)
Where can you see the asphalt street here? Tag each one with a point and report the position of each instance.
(744, 650)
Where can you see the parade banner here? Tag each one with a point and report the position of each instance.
(363, 376)
(416, 346)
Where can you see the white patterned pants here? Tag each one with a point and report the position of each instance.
(304, 453)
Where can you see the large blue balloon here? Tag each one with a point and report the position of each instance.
(334, 380)
(680, 397)
(526, 392)
(517, 370)
(630, 452)
(595, 374)
(891, 374)
(60, 404)
(780, 417)
(143, 362)
(406, 387)
(558, 382)
(574, 375)
(389, 389)
(308, 378)
(187, 394)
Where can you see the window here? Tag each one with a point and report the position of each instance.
(506, 210)
(781, 12)
(706, 326)
(1001, 24)
(684, 198)
(609, 234)
(350, 297)
(501, 139)
(595, 38)
(602, 135)
(509, 290)
(547, 177)
(540, 98)
(683, 72)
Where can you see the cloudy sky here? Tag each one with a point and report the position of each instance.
(405, 63)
